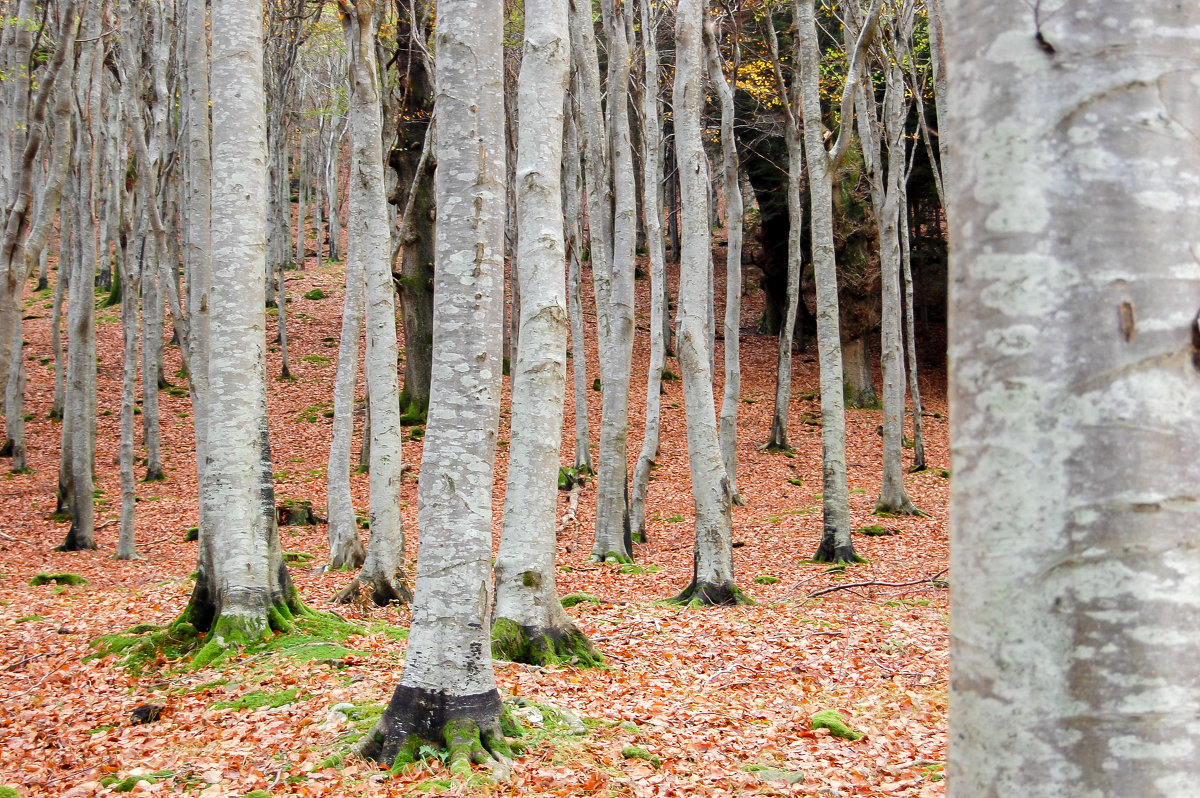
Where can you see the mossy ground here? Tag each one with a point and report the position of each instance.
(259, 699)
(307, 637)
(73, 580)
(836, 723)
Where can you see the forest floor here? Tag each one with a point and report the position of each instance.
(723, 697)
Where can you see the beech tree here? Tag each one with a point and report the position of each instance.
(1074, 383)
(712, 575)
(529, 624)
(370, 242)
(243, 589)
(447, 692)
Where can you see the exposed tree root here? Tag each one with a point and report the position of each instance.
(906, 507)
(381, 590)
(831, 553)
(709, 595)
(516, 643)
(73, 543)
(468, 727)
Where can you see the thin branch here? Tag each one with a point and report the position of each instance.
(923, 580)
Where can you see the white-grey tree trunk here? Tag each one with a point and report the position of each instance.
(730, 168)
(243, 588)
(572, 209)
(529, 623)
(448, 689)
(369, 241)
(712, 576)
(652, 213)
(1075, 388)
(914, 388)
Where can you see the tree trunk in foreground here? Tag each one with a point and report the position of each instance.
(370, 242)
(712, 577)
(447, 693)
(1075, 388)
(529, 624)
(243, 590)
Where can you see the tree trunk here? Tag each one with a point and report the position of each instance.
(1075, 389)
(572, 190)
(859, 387)
(61, 278)
(370, 242)
(151, 357)
(651, 134)
(416, 293)
(243, 590)
(529, 624)
(733, 261)
(914, 387)
(712, 575)
(448, 691)
(126, 548)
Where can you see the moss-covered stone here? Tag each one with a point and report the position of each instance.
(836, 723)
(192, 534)
(634, 752)
(58, 579)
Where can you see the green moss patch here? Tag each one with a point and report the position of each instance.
(571, 599)
(634, 569)
(836, 723)
(877, 531)
(58, 579)
(633, 752)
(316, 293)
(766, 579)
(8, 792)
(129, 782)
(298, 557)
(259, 699)
(29, 619)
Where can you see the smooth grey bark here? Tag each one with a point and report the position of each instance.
(1075, 392)
(152, 313)
(730, 169)
(836, 544)
(81, 342)
(528, 621)
(447, 692)
(346, 550)
(777, 438)
(130, 329)
(859, 389)
(243, 589)
(712, 575)
(914, 388)
(652, 146)
(369, 241)
(572, 191)
(61, 278)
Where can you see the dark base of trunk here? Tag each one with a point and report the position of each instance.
(777, 441)
(382, 591)
(75, 542)
(348, 556)
(710, 595)
(285, 374)
(42, 284)
(536, 646)
(828, 552)
(639, 537)
(295, 512)
(468, 726)
(155, 475)
(904, 507)
(7, 449)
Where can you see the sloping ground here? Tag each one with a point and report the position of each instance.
(717, 695)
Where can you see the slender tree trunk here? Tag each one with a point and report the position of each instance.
(126, 548)
(651, 134)
(448, 691)
(1075, 389)
(733, 263)
(61, 279)
(529, 624)
(914, 387)
(572, 191)
(370, 242)
(712, 575)
(151, 357)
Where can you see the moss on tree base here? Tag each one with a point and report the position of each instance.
(707, 594)
(533, 646)
(74, 542)
(829, 552)
(418, 720)
(611, 556)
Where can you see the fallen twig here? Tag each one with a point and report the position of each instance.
(572, 509)
(833, 588)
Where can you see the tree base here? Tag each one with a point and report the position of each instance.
(348, 556)
(831, 553)
(74, 542)
(155, 475)
(611, 556)
(533, 646)
(381, 590)
(707, 594)
(467, 726)
(905, 507)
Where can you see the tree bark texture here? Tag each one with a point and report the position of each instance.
(1075, 392)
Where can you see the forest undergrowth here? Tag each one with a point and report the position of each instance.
(692, 701)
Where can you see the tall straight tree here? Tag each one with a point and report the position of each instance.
(712, 575)
(370, 244)
(529, 623)
(1075, 387)
(836, 544)
(243, 589)
(447, 693)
